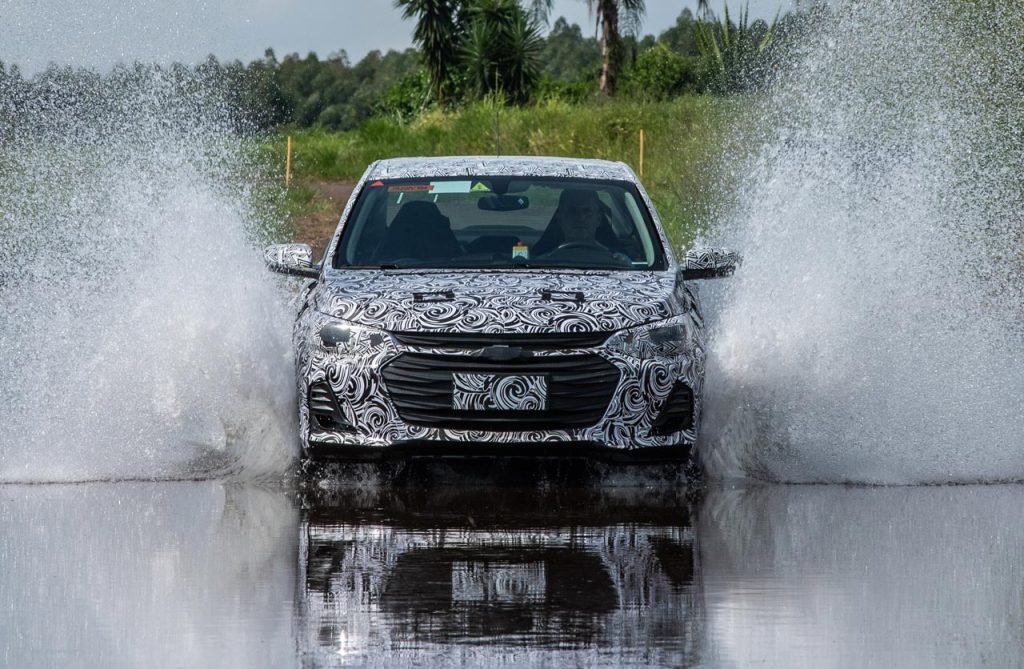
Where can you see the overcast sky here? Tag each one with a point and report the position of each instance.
(98, 33)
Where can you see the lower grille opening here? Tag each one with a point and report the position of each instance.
(677, 414)
(324, 411)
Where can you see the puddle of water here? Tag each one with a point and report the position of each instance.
(146, 575)
(215, 574)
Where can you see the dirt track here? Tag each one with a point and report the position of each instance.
(316, 229)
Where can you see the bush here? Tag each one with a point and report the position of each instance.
(576, 92)
(659, 74)
(337, 117)
(406, 98)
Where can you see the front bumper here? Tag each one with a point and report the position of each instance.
(440, 450)
(644, 408)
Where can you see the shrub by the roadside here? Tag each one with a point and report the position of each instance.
(660, 74)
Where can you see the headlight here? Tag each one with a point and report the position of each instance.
(344, 338)
(664, 340)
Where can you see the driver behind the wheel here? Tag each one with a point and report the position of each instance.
(580, 218)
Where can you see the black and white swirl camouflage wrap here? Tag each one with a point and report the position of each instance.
(378, 303)
(655, 335)
(486, 392)
(497, 302)
(289, 258)
(710, 258)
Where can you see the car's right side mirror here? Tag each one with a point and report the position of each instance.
(708, 263)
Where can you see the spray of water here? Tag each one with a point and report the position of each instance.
(141, 336)
(876, 330)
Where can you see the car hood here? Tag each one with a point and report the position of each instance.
(510, 302)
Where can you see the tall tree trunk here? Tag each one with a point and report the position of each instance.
(611, 45)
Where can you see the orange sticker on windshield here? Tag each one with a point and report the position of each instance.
(410, 188)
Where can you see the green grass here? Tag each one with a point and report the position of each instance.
(276, 207)
(684, 141)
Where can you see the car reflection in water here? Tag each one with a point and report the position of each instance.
(499, 577)
(216, 574)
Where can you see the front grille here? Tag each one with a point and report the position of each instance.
(550, 341)
(579, 388)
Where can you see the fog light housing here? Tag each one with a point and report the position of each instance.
(324, 410)
(677, 413)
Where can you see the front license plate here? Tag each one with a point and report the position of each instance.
(488, 582)
(499, 392)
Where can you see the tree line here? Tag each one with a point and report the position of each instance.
(466, 50)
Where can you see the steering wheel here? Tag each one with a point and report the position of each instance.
(584, 245)
(592, 250)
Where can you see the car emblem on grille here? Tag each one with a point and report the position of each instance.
(502, 353)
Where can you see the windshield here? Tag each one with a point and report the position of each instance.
(500, 222)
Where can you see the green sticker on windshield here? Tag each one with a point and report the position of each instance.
(480, 187)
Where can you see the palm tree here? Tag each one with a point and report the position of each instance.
(736, 55)
(613, 18)
(501, 50)
(437, 34)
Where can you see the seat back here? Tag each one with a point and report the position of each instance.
(420, 231)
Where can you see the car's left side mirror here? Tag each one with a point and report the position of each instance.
(294, 259)
(708, 263)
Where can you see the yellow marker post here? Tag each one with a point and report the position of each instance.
(641, 153)
(288, 164)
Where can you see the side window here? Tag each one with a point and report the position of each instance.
(645, 240)
(366, 231)
(614, 213)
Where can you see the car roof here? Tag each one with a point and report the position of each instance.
(454, 166)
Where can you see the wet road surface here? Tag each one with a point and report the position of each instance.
(226, 575)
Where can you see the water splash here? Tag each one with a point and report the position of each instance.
(876, 330)
(142, 337)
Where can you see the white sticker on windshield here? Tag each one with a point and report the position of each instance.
(450, 186)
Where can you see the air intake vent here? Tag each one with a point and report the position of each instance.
(677, 413)
(324, 411)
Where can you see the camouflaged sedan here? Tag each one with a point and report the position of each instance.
(499, 306)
